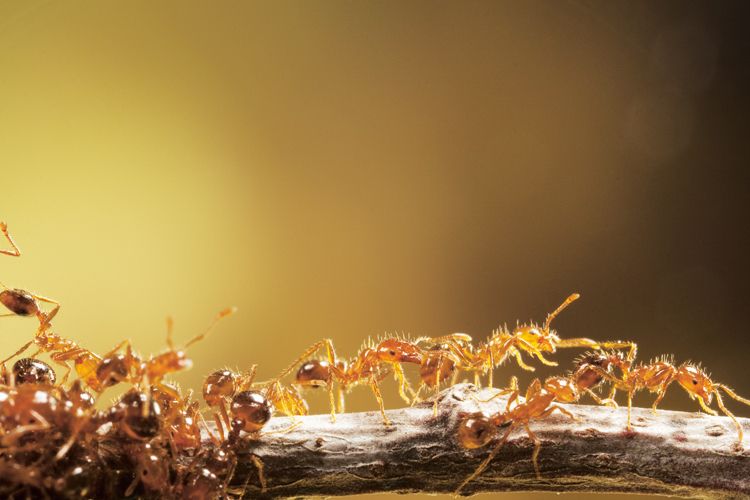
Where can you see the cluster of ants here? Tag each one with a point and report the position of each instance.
(55, 442)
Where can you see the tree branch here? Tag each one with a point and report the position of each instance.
(671, 453)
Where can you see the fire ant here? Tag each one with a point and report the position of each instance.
(477, 430)
(529, 338)
(658, 375)
(367, 367)
(250, 409)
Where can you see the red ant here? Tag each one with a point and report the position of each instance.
(658, 375)
(529, 338)
(367, 367)
(477, 430)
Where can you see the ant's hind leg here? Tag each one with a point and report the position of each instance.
(16, 252)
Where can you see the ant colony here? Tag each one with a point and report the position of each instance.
(154, 441)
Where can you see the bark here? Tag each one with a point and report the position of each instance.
(682, 454)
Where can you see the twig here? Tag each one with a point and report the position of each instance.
(681, 454)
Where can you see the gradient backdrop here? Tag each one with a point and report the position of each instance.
(345, 169)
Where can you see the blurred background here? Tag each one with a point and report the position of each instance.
(346, 169)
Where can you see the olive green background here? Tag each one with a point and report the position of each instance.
(344, 169)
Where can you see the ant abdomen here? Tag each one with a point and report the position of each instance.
(33, 371)
(314, 373)
(111, 371)
(251, 410)
(19, 302)
(436, 367)
(219, 385)
(475, 430)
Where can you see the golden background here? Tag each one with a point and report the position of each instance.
(344, 169)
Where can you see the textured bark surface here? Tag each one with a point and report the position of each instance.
(672, 453)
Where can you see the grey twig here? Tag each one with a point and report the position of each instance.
(681, 454)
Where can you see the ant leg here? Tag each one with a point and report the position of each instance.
(549, 411)
(340, 393)
(15, 252)
(25, 346)
(261, 475)
(606, 402)
(45, 319)
(730, 415)
(630, 407)
(490, 381)
(379, 397)
(537, 449)
(398, 373)
(733, 394)
(521, 363)
(486, 461)
(222, 314)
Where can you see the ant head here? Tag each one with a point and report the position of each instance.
(563, 389)
(113, 370)
(314, 373)
(543, 338)
(138, 414)
(475, 430)
(33, 371)
(398, 351)
(696, 382)
(219, 385)
(251, 410)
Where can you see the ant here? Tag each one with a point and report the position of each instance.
(477, 429)
(250, 409)
(20, 302)
(658, 375)
(367, 367)
(529, 338)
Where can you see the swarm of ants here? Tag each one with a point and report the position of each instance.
(154, 442)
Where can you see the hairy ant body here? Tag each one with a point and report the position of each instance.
(477, 430)
(658, 375)
(369, 367)
(530, 338)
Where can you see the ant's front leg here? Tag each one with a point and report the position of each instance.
(379, 397)
(16, 252)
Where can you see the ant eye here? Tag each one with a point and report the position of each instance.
(393, 353)
(695, 382)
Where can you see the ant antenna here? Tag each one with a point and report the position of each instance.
(572, 298)
(16, 252)
(170, 329)
(223, 314)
